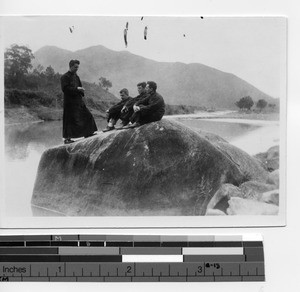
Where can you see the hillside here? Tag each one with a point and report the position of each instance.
(46, 103)
(189, 84)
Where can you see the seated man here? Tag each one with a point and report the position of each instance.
(127, 111)
(113, 114)
(149, 109)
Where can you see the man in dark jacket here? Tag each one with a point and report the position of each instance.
(127, 111)
(149, 109)
(114, 113)
(77, 119)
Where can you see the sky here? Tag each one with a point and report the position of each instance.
(252, 48)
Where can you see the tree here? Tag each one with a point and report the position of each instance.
(17, 62)
(105, 83)
(245, 102)
(49, 72)
(261, 104)
(38, 70)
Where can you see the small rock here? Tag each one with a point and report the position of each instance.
(271, 197)
(215, 212)
(269, 159)
(254, 189)
(223, 194)
(275, 177)
(239, 206)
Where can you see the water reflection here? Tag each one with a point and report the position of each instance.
(21, 139)
(227, 131)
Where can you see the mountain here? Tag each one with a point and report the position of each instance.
(190, 84)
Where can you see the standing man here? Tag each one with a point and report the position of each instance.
(77, 119)
(149, 109)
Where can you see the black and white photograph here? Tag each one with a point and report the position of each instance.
(147, 121)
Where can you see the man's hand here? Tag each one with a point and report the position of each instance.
(124, 109)
(136, 108)
(81, 89)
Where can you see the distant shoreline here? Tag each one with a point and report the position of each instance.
(229, 114)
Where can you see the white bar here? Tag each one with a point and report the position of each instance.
(203, 238)
(212, 250)
(252, 237)
(228, 237)
(88, 250)
(152, 258)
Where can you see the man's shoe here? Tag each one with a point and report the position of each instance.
(135, 125)
(122, 126)
(108, 129)
(90, 135)
(68, 141)
(127, 126)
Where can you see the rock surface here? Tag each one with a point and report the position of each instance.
(271, 197)
(162, 168)
(270, 159)
(239, 206)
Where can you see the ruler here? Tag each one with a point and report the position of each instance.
(134, 258)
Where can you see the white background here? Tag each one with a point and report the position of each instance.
(281, 247)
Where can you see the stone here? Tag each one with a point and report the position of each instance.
(271, 197)
(254, 189)
(220, 198)
(275, 178)
(239, 206)
(161, 168)
(214, 212)
(269, 159)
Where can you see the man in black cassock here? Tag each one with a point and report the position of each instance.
(77, 119)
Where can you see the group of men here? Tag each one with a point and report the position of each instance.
(147, 107)
(78, 121)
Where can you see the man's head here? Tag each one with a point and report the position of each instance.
(151, 87)
(141, 87)
(124, 93)
(74, 65)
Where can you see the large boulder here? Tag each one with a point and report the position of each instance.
(162, 168)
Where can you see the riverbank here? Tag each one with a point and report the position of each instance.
(229, 114)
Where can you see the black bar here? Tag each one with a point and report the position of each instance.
(91, 258)
(174, 244)
(12, 243)
(214, 258)
(201, 244)
(119, 243)
(27, 250)
(38, 243)
(67, 237)
(228, 244)
(252, 243)
(64, 243)
(254, 254)
(37, 237)
(147, 243)
(91, 243)
(11, 238)
(29, 258)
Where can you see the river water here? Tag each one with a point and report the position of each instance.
(24, 145)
